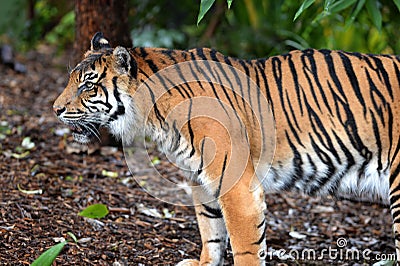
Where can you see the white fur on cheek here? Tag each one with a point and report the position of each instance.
(127, 125)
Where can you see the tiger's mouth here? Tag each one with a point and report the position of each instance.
(85, 133)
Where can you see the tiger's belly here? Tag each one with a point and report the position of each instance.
(361, 181)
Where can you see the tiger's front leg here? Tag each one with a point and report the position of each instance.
(243, 209)
(212, 229)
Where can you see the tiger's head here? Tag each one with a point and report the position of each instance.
(99, 92)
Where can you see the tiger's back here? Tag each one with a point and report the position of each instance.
(321, 122)
(337, 122)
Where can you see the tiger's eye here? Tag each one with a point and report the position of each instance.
(89, 84)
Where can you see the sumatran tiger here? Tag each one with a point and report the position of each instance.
(319, 122)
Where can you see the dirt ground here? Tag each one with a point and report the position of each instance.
(140, 229)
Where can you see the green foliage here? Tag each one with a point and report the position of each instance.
(12, 18)
(52, 21)
(47, 258)
(256, 28)
(205, 5)
(63, 33)
(94, 211)
(247, 28)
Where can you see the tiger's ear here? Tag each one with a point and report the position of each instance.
(124, 63)
(99, 42)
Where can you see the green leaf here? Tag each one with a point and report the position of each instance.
(355, 12)
(205, 5)
(229, 3)
(47, 258)
(374, 12)
(397, 3)
(73, 237)
(327, 5)
(155, 161)
(306, 4)
(20, 156)
(341, 4)
(109, 173)
(94, 211)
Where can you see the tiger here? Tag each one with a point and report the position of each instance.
(318, 122)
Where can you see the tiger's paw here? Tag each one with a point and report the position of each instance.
(188, 262)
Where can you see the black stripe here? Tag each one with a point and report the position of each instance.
(261, 66)
(332, 72)
(394, 198)
(262, 223)
(390, 131)
(214, 241)
(121, 107)
(260, 112)
(375, 93)
(380, 68)
(394, 206)
(200, 53)
(186, 85)
(247, 71)
(213, 55)
(159, 117)
(327, 161)
(152, 65)
(313, 72)
(103, 74)
(200, 170)
(243, 253)
(226, 93)
(218, 191)
(295, 81)
(297, 163)
(227, 61)
(394, 174)
(349, 157)
(99, 102)
(211, 212)
(396, 151)
(190, 129)
(377, 139)
(292, 111)
(348, 66)
(259, 241)
(277, 73)
(194, 72)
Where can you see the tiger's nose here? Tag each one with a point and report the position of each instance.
(58, 110)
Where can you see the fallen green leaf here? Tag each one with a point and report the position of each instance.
(47, 258)
(109, 174)
(20, 155)
(94, 211)
(35, 169)
(155, 161)
(73, 237)
(30, 192)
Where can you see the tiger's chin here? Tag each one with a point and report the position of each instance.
(83, 138)
(85, 134)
